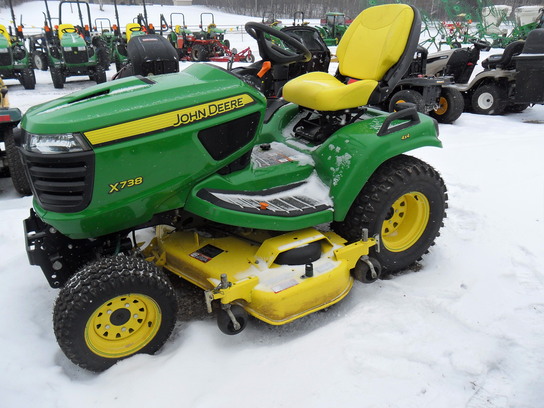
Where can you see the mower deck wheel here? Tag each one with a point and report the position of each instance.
(225, 323)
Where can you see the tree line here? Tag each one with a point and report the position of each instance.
(284, 9)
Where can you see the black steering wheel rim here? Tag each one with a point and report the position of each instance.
(480, 44)
(274, 53)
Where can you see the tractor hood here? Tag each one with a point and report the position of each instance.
(133, 98)
(72, 40)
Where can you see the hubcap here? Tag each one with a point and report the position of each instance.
(442, 106)
(405, 222)
(123, 325)
(485, 100)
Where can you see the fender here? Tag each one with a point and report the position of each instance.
(351, 155)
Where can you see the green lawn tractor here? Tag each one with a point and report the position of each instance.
(69, 50)
(15, 62)
(333, 26)
(272, 207)
(10, 161)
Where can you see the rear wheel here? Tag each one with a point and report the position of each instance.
(199, 53)
(450, 106)
(410, 96)
(57, 76)
(39, 60)
(404, 203)
(250, 58)
(517, 108)
(112, 309)
(489, 100)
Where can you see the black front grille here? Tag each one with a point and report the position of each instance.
(5, 58)
(76, 57)
(61, 182)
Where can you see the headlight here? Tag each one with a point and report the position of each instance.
(67, 49)
(81, 48)
(57, 143)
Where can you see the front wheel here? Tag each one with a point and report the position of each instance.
(27, 78)
(450, 106)
(99, 75)
(57, 76)
(112, 309)
(16, 168)
(404, 202)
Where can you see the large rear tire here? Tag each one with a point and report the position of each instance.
(451, 106)
(39, 60)
(199, 53)
(112, 309)
(404, 202)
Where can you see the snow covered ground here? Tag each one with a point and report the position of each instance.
(467, 330)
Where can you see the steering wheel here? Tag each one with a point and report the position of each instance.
(274, 53)
(480, 44)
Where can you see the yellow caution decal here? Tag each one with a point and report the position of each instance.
(169, 120)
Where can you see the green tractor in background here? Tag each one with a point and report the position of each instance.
(15, 61)
(333, 26)
(69, 50)
(117, 39)
(210, 31)
(274, 207)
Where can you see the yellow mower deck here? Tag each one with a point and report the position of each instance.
(276, 294)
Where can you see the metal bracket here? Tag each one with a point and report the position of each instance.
(378, 243)
(366, 260)
(232, 318)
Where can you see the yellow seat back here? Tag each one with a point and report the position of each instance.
(376, 50)
(131, 28)
(375, 41)
(66, 28)
(5, 33)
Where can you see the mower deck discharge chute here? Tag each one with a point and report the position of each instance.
(272, 206)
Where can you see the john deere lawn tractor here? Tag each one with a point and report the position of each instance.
(15, 62)
(69, 50)
(273, 208)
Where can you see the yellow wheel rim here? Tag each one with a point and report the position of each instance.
(405, 222)
(442, 106)
(123, 325)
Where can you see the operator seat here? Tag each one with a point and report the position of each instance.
(504, 60)
(133, 29)
(66, 28)
(374, 53)
(5, 33)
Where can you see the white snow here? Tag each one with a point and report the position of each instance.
(467, 330)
